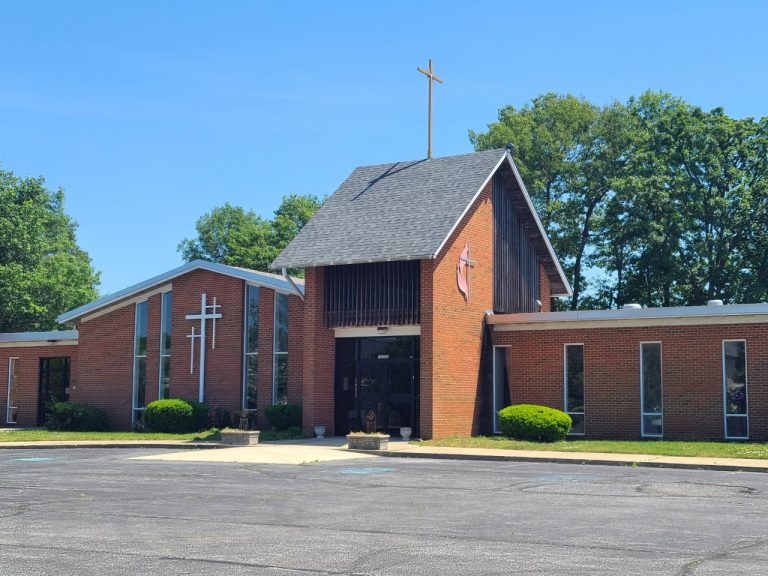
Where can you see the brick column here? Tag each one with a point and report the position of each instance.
(319, 356)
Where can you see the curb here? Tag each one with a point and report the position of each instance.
(556, 460)
(76, 444)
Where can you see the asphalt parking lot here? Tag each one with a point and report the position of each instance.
(99, 511)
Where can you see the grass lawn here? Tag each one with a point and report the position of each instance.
(45, 435)
(211, 435)
(652, 447)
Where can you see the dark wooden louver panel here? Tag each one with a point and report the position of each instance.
(515, 264)
(376, 294)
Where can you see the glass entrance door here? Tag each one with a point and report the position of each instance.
(372, 397)
(377, 377)
(54, 384)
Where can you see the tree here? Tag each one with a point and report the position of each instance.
(568, 152)
(236, 237)
(43, 272)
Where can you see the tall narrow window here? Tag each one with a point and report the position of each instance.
(11, 409)
(735, 389)
(574, 386)
(165, 346)
(651, 409)
(140, 360)
(280, 356)
(251, 360)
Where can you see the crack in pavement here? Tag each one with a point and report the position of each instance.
(690, 568)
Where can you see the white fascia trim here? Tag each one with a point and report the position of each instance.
(257, 278)
(372, 331)
(38, 343)
(128, 302)
(590, 319)
(471, 203)
(550, 249)
(54, 335)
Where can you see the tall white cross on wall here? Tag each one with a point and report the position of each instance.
(207, 312)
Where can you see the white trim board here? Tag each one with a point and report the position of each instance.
(372, 331)
(265, 279)
(629, 323)
(37, 343)
(123, 303)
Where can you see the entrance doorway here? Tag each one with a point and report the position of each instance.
(377, 376)
(54, 384)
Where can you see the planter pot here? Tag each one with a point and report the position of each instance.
(405, 432)
(320, 431)
(240, 437)
(368, 441)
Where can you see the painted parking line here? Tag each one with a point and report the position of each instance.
(566, 478)
(34, 459)
(366, 470)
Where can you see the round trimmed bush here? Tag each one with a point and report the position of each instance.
(170, 415)
(532, 422)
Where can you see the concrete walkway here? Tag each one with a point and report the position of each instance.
(329, 449)
(402, 449)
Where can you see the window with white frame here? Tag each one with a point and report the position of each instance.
(140, 361)
(574, 386)
(280, 355)
(251, 360)
(165, 345)
(11, 409)
(735, 399)
(651, 403)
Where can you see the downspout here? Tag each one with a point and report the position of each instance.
(296, 289)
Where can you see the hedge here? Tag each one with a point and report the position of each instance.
(75, 417)
(283, 416)
(177, 416)
(532, 422)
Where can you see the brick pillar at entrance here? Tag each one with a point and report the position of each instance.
(319, 356)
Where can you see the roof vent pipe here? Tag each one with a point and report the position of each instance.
(714, 302)
(632, 306)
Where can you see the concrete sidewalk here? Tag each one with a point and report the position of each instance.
(329, 449)
(405, 450)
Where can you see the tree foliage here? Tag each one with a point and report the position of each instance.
(43, 272)
(236, 237)
(653, 201)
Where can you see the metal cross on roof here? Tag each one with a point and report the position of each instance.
(429, 73)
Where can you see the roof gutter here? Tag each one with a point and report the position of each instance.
(296, 289)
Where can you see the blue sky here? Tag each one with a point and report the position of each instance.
(149, 114)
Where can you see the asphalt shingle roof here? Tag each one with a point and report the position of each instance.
(399, 211)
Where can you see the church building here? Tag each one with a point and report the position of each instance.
(426, 303)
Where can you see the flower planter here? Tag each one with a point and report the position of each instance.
(240, 437)
(368, 441)
(320, 431)
(405, 433)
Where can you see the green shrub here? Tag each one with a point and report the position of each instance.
(201, 416)
(72, 416)
(170, 415)
(531, 422)
(220, 418)
(283, 416)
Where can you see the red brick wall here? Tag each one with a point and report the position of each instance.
(545, 290)
(691, 374)
(28, 378)
(319, 356)
(105, 364)
(106, 349)
(452, 397)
